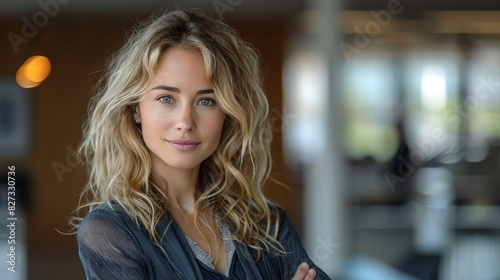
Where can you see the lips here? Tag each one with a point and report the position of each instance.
(183, 145)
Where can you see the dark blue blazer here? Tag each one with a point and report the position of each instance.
(111, 246)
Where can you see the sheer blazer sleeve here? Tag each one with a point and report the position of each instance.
(107, 248)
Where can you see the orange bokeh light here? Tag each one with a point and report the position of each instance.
(33, 71)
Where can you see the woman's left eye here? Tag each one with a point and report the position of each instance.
(206, 102)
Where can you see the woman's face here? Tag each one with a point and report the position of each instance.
(180, 118)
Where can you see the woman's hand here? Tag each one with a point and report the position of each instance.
(304, 273)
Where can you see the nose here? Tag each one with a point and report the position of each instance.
(186, 121)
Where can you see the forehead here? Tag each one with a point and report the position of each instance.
(180, 70)
(176, 63)
(178, 58)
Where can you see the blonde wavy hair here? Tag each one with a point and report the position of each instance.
(231, 179)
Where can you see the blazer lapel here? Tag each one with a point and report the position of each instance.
(179, 254)
(247, 262)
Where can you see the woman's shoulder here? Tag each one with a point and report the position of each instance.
(106, 218)
(282, 221)
(278, 211)
(108, 209)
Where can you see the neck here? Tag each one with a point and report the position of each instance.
(180, 186)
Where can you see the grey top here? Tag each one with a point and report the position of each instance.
(205, 258)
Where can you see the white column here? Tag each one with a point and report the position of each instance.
(325, 198)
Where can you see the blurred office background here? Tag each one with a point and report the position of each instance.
(386, 120)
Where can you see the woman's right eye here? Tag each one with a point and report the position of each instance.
(165, 99)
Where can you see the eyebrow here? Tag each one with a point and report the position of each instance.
(174, 89)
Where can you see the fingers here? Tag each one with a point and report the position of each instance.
(301, 272)
(304, 273)
(311, 274)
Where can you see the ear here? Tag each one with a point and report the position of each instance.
(137, 112)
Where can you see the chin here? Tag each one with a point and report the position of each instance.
(187, 165)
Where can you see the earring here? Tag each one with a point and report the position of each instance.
(137, 121)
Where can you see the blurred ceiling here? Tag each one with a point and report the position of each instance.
(426, 5)
(17, 8)
(247, 8)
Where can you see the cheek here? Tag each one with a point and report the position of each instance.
(218, 125)
(154, 125)
(212, 126)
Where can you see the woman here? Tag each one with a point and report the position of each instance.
(178, 147)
